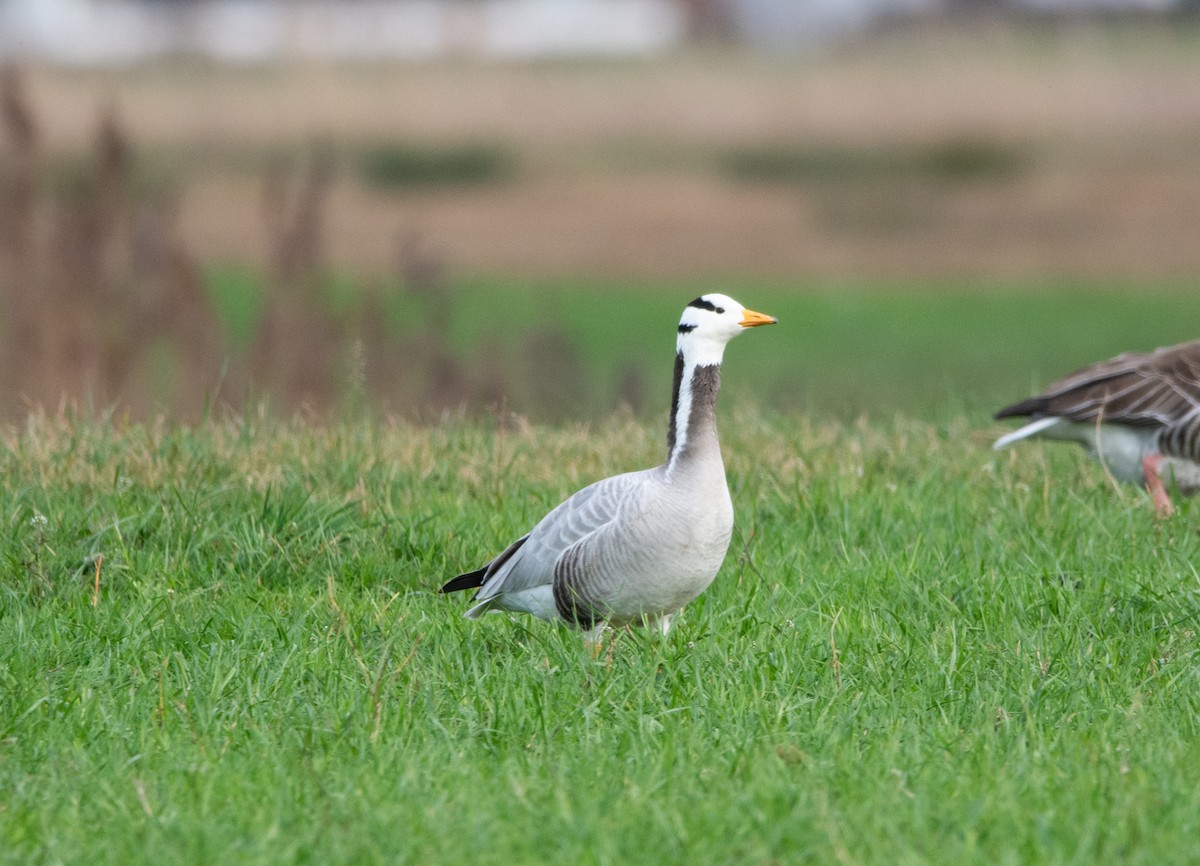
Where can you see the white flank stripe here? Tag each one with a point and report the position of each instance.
(1031, 429)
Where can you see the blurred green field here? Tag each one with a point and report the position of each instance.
(842, 348)
(222, 644)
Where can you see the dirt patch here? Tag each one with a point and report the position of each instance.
(618, 164)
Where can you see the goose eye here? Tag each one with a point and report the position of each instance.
(720, 311)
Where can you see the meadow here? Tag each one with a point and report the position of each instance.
(299, 372)
(222, 642)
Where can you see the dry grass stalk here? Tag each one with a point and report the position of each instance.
(20, 173)
(295, 354)
(108, 307)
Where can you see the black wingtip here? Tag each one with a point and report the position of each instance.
(477, 578)
(1024, 409)
(470, 580)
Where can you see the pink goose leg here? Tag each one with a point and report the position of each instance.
(1154, 484)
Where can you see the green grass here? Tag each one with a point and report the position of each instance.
(917, 651)
(405, 165)
(842, 348)
(950, 160)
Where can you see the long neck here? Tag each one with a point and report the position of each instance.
(692, 432)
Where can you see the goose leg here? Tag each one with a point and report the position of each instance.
(592, 638)
(660, 623)
(1154, 484)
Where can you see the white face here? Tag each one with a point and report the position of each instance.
(711, 321)
(711, 315)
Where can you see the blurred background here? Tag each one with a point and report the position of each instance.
(425, 206)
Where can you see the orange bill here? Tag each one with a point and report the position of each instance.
(751, 319)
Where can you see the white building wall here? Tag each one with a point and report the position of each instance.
(106, 31)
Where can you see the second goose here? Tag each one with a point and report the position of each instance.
(1138, 413)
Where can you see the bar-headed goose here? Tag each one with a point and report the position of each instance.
(637, 547)
(1138, 413)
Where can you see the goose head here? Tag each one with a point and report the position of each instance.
(711, 321)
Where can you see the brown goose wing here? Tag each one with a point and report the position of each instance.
(1139, 389)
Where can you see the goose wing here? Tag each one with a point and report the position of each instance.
(1137, 389)
(529, 562)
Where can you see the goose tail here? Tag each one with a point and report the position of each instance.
(470, 580)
